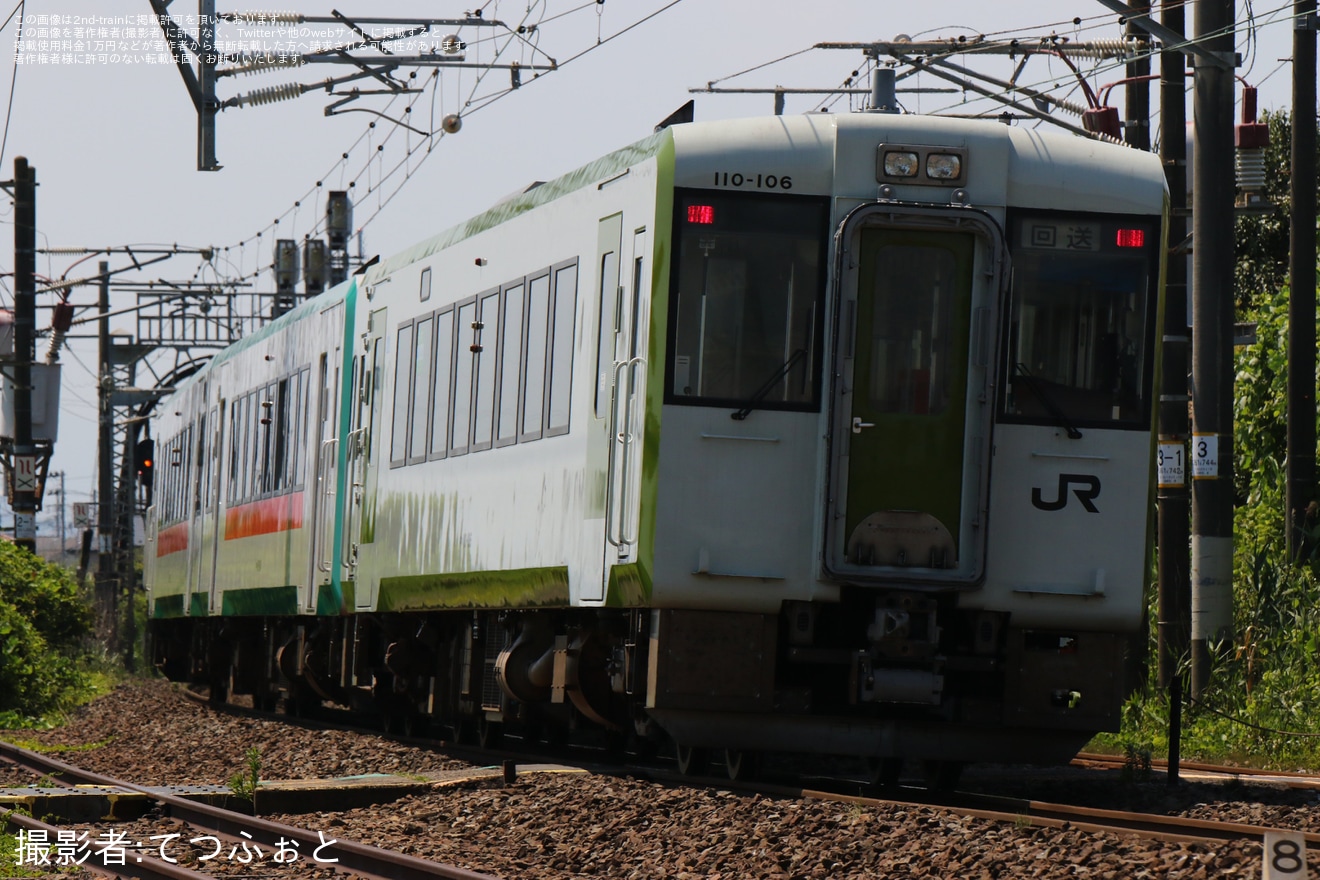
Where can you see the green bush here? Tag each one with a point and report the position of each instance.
(44, 625)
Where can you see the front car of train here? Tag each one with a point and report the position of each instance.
(820, 433)
(906, 437)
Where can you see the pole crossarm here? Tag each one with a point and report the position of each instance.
(65, 285)
(1113, 49)
(1173, 41)
(936, 68)
(294, 18)
(177, 36)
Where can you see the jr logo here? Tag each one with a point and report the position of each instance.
(1085, 495)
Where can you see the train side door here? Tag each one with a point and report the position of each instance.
(360, 486)
(626, 414)
(320, 482)
(607, 300)
(911, 423)
(209, 502)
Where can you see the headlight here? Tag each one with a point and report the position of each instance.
(944, 166)
(900, 163)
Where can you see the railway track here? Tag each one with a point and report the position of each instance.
(231, 827)
(1019, 812)
(630, 819)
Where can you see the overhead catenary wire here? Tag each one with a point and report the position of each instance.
(472, 104)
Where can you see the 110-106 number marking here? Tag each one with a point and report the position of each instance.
(760, 181)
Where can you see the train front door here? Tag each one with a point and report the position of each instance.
(912, 419)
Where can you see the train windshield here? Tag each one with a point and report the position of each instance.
(746, 300)
(1079, 347)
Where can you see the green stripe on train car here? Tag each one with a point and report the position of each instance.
(520, 588)
(198, 606)
(260, 601)
(168, 606)
(630, 586)
(332, 601)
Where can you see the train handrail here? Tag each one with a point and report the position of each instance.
(620, 439)
(323, 471)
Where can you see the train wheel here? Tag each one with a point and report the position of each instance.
(692, 761)
(943, 775)
(222, 686)
(741, 765)
(884, 771)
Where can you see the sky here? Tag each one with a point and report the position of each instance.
(113, 137)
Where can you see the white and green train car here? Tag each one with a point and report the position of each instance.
(819, 433)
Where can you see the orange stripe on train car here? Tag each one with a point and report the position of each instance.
(279, 514)
(172, 540)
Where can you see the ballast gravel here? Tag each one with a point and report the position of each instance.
(552, 825)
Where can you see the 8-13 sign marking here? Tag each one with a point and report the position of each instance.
(1285, 856)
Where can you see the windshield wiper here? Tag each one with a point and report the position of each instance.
(770, 384)
(1060, 418)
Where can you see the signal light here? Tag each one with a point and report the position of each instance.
(144, 458)
(1131, 238)
(701, 214)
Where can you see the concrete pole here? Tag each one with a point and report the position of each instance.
(1174, 499)
(1301, 280)
(25, 322)
(1212, 338)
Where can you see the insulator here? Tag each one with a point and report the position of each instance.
(1250, 165)
(265, 17)
(1103, 48)
(1070, 107)
(286, 92)
(56, 343)
(250, 64)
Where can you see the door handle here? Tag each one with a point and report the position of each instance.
(858, 424)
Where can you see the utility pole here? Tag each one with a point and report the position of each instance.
(1301, 279)
(1212, 336)
(24, 470)
(105, 477)
(1136, 122)
(1174, 524)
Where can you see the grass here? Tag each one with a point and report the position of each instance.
(1258, 709)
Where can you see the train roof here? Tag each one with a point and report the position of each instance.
(1044, 165)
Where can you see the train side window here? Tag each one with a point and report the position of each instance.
(561, 350)
(510, 366)
(1079, 339)
(608, 315)
(460, 421)
(300, 429)
(438, 444)
(421, 389)
(424, 293)
(249, 444)
(488, 319)
(538, 331)
(258, 437)
(402, 368)
(279, 480)
(199, 473)
(747, 288)
(231, 488)
(269, 431)
(245, 448)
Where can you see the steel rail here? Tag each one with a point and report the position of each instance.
(367, 861)
(137, 866)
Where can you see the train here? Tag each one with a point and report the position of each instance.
(826, 434)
